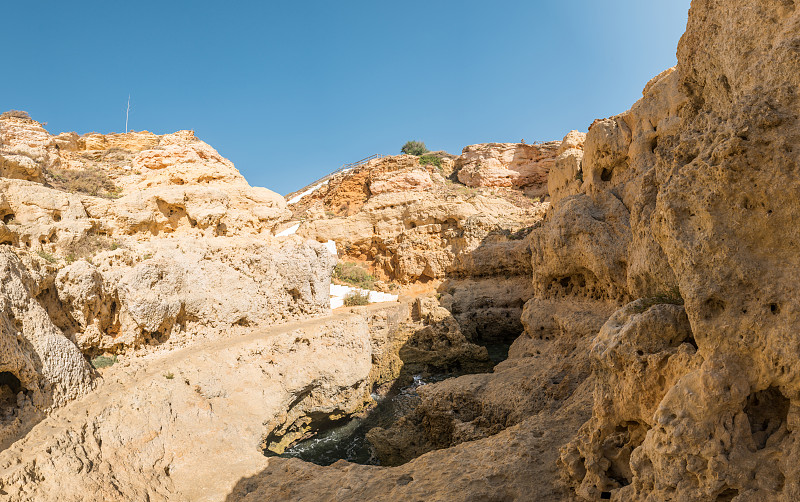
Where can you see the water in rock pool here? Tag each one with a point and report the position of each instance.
(346, 439)
(498, 352)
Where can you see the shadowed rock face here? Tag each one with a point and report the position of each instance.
(705, 168)
(683, 216)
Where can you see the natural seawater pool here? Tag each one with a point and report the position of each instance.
(346, 439)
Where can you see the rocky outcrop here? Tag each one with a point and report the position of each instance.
(545, 368)
(25, 149)
(119, 301)
(132, 270)
(695, 165)
(415, 180)
(119, 244)
(416, 226)
(663, 291)
(188, 424)
(638, 355)
(680, 222)
(566, 176)
(40, 369)
(507, 165)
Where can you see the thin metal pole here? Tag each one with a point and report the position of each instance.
(127, 111)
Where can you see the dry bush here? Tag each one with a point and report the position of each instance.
(17, 114)
(92, 181)
(356, 299)
(88, 246)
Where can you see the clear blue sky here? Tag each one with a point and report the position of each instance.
(291, 90)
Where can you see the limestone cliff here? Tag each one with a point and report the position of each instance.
(674, 226)
(120, 242)
(657, 349)
(414, 225)
(686, 202)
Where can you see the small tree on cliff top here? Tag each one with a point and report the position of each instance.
(19, 114)
(414, 148)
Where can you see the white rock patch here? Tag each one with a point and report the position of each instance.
(289, 231)
(296, 198)
(338, 294)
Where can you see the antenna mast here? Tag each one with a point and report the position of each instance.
(127, 111)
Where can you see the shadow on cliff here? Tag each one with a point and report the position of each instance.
(486, 289)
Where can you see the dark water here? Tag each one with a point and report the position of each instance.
(498, 352)
(346, 439)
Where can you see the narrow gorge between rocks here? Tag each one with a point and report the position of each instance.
(608, 316)
(347, 439)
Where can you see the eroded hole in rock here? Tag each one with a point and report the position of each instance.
(725, 84)
(572, 285)
(727, 495)
(617, 448)
(10, 387)
(713, 307)
(767, 411)
(606, 175)
(8, 218)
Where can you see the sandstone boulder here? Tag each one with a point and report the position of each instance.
(566, 176)
(506, 164)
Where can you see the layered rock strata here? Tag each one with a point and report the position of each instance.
(413, 225)
(119, 244)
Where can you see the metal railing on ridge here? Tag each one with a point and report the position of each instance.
(344, 167)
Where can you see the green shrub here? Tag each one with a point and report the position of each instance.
(18, 114)
(88, 246)
(353, 274)
(414, 148)
(431, 159)
(94, 182)
(356, 299)
(47, 257)
(169, 376)
(104, 361)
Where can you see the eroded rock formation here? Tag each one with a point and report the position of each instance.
(414, 225)
(129, 265)
(507, 165)
(113, 243)
(701, 166)
(656, 303)
(677, 217)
